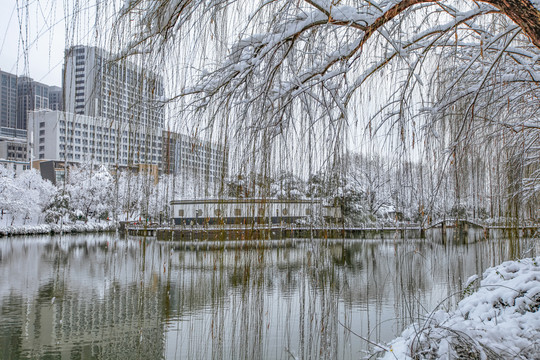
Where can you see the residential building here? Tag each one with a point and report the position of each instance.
(14, 147)
(17, 166)
(13, 150)
(95, 85)
(52, 170)
(189, 155)
(31, 95)
(56, 100)
(8, 100)
(74, 138)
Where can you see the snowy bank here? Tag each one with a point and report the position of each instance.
(56, 229)
(498, 321)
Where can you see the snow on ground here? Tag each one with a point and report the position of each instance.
(34, 227)
(498, 321)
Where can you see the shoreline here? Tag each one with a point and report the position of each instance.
(54, 229)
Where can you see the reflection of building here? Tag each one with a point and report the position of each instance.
(183, 154)
(57, 135)
(97, 85)
(78, 311)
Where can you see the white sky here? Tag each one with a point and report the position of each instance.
(33, 38)
(45, 37)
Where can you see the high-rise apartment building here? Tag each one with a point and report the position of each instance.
(8, 100)
(31, 95)
(56, 101)
(95, 85)
(13, 141)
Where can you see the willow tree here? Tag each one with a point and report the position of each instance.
(313, 68)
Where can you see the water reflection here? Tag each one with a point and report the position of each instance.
(99, 296)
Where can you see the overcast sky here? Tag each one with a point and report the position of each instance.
(44, 39)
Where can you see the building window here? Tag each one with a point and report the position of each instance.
(41, 132)
(237, 212)
(42, 148)
(181, 212)
(217, 212)
(41, 156)
(285, 211)
(308, 212)
(41, 124)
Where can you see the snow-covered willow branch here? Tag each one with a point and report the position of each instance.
(256, 59)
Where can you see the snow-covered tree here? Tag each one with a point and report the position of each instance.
(25, 196)
(90, 191)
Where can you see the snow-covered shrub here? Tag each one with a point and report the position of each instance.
(499, 321)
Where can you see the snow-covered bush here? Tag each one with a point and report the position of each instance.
(499, 321)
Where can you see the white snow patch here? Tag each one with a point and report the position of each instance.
(500, 319)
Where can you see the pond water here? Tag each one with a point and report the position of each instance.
(103, 296)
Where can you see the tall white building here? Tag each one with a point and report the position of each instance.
(97, 85)
(75, 138)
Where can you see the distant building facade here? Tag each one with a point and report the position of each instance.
(56, 100)
(184, 154)
(8, 100)
(74, 138)
(31, 95)
(13, 150)
(94, 85)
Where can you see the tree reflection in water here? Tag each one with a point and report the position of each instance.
(88, 296)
